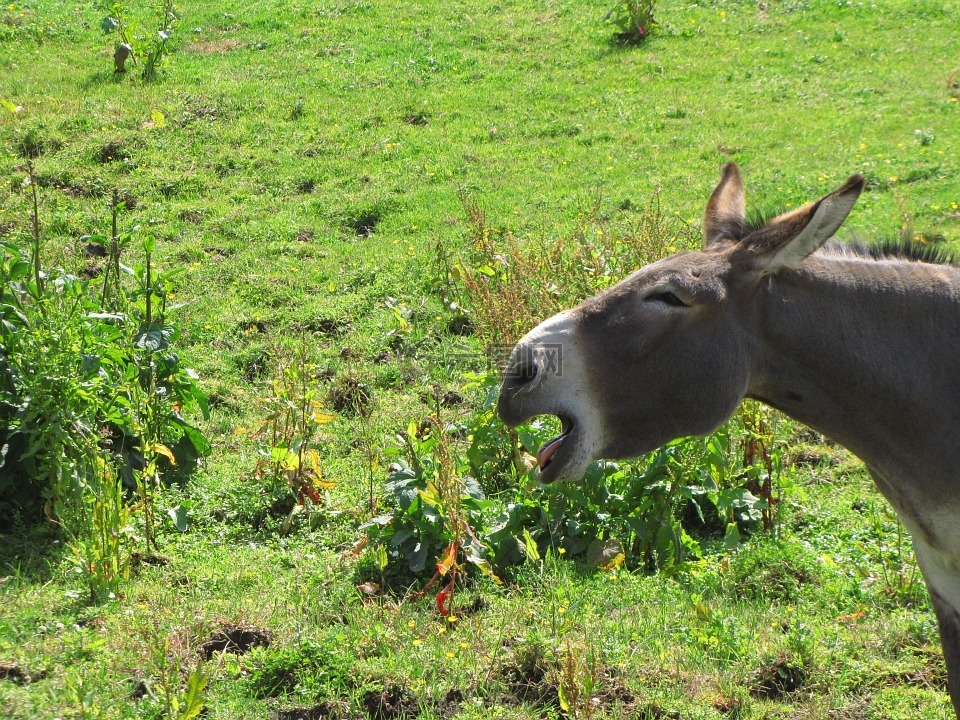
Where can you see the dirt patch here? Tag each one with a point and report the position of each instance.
(391, 703)
(217, 253)
(416, 118)
(349, 395)
(320, 711)
(461, 326)
(237, 639)
(727, 705)
(528, 677)
(94, 250)
(15, 673)
(326, 327)
(138, 560)
(249, 327)
(113, 151)
(808, 457)
(448, 399)
(933, 677)
(209, 113)
(449, 705)
(783, 676)
(364, 223)
(655, 712)
(212, 47)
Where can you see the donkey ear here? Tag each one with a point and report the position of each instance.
(787, 240)
(723, 219)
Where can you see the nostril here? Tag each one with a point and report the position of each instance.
(527, 373)
(523, 371)
(523, 376)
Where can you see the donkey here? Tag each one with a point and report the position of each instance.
(862, 348)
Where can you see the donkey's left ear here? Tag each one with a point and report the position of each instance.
(784, 242)
(723, 219)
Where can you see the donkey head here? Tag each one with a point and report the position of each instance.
(666, 352)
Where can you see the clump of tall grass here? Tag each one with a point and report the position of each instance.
(512, 284)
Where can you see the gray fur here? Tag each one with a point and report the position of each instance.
(864, 350)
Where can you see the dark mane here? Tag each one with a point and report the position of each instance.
(906, 247)
(755, 220)
(909, 246)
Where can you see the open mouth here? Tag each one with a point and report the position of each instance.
(547, 452)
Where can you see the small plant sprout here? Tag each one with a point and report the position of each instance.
(153, 48)
(287, 437)
(634, 18)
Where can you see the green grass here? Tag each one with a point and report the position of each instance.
(310, 165)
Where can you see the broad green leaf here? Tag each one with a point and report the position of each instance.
(193, 699)
(199, 441)
(158, 119)
(417, 560)
(732, 538)
(530, 545)
(99, 239)
(288, 522)
(179, 516)
(605, 553)
(153, 337)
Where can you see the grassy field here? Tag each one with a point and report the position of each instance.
(318, 171)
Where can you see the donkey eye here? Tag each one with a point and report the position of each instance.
(667, 298)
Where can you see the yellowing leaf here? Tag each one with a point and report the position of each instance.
(158, 118)
(290, 461)
(318, 481)
(448, 559)
(484, 566)
(615, 563)
(322, 418)
(161, 449)
(431, 495)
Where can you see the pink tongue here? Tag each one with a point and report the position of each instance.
(548, 450)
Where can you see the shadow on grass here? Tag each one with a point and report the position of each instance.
(30, 553)
(100, 78)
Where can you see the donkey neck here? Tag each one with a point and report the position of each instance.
(865, 351)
